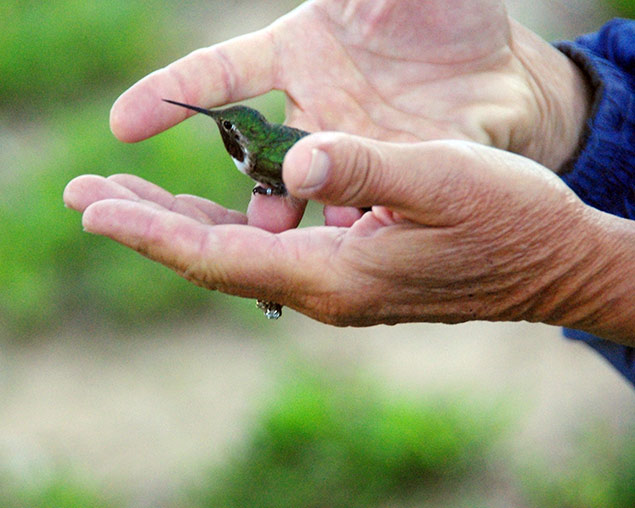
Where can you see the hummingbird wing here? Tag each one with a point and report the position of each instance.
(268, 163)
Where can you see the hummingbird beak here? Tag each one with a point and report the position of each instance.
(193, 108)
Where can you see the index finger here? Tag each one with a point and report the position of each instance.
(233, 70)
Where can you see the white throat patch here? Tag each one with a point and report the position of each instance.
(244, 165)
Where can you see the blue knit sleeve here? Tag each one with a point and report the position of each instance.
(603, 171)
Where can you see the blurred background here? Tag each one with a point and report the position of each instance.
(121, 385)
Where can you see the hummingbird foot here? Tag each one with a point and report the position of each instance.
(270, 191)
(272, 310)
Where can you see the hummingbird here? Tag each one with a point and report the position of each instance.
(256, 146)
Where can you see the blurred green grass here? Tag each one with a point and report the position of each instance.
(600, 472)
(324, 440)
(338, 441)
(623, 8)
(60, 489)
(329, 440)
(58, 51)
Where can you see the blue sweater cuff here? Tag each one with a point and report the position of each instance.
(602, 173)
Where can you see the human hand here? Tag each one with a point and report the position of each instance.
(393, 71)
(458, 231)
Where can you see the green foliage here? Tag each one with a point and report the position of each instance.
(333, 443)
(623, 8)
(600, 472)
(61, 50)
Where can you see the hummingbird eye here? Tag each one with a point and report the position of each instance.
(227, 125)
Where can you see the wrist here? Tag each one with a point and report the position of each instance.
(595, 292)
(563, 102)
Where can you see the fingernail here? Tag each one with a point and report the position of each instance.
(318, 169)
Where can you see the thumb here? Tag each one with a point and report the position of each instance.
(418, 180)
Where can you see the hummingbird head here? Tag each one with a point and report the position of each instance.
(240, 127)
